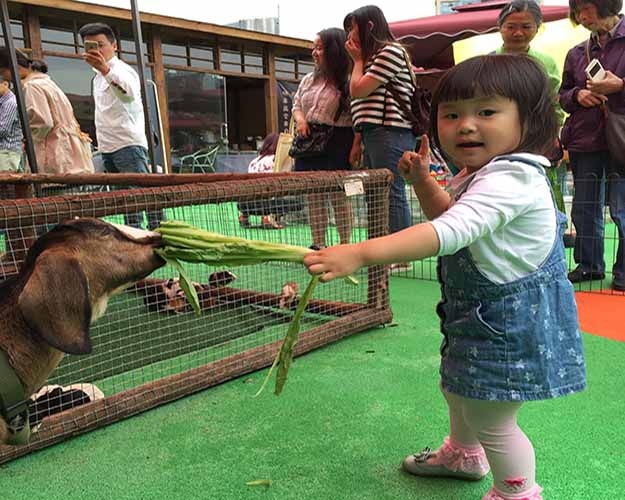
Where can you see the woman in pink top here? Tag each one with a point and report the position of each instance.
(56, 135)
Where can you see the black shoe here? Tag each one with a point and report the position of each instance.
(569, 240)
(618, 285)
(577, 275)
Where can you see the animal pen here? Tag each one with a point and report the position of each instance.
(148, 351)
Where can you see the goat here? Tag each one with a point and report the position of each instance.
(63, 286)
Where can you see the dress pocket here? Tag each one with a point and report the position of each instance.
(490, 317)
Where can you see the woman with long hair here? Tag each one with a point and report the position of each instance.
(381, 88)
(323, 98)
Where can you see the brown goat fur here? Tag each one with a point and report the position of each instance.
(63, 286)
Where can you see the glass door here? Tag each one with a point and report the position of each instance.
(196, 104)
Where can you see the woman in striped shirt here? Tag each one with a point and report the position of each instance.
(380, 73)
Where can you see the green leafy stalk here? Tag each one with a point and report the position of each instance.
(190, 244)
(187, 286)
(285, 355)
(286, 351)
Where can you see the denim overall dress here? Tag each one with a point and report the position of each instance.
(515, 341)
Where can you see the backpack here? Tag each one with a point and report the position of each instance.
(420, 102)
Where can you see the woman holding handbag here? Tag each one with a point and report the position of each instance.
(380, 78)
(584, 136)
(321, 113)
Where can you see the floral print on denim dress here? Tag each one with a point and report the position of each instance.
(510, 342)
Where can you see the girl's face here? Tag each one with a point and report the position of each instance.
(317, 52)
(517, 31)
(473, 131)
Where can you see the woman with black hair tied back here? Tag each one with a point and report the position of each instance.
(58, 146)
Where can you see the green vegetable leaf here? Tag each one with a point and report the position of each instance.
(185, 282)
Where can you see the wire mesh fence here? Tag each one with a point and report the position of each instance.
(149, 347)
(594, 246)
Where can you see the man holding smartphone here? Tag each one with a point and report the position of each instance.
(119, 118)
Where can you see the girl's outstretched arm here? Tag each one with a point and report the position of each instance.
(413, 243)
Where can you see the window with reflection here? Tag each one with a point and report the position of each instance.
(230, 60)
(175, 54)
(253, 63)
(17, 32)
(293, 67)
(202, 57)
(59, 36)
(128, 53)
(196, 107)
(74, 76)
(285, 67)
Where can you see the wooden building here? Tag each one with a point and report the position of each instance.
(214, 84)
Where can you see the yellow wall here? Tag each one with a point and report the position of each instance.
(554, 38)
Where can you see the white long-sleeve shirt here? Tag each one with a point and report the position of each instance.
(506, 217)
(119, 118)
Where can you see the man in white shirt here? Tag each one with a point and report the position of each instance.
(119, 118)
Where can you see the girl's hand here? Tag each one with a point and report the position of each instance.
(334, 262)
(415, 167)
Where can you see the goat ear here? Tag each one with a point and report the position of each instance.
(55, 303)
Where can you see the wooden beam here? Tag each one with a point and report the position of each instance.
(161, 87)
(32, 31)
(271, 93)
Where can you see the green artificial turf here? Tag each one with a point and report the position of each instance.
(348, 415)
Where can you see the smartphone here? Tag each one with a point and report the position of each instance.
(594, 71)
(91, 45)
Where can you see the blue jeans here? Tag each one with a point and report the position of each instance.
(384, 146)
(591, 173)
(132, 160)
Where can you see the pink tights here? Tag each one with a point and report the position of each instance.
(493, 425)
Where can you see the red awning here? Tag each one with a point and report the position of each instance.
(430, 39)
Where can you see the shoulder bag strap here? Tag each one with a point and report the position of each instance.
(396, 95)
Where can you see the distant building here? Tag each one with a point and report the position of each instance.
(263, 24)
(447, 6)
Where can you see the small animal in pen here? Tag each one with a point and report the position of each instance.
(47, 309)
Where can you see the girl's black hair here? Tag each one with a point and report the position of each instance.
(516, 77)
(605, 8)
(521, 6)
(269, 145)
(336, 64)
(373, 29)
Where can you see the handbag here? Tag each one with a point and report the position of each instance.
(316, 142)
(282, 161)
(615, 135)
(614, 128)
